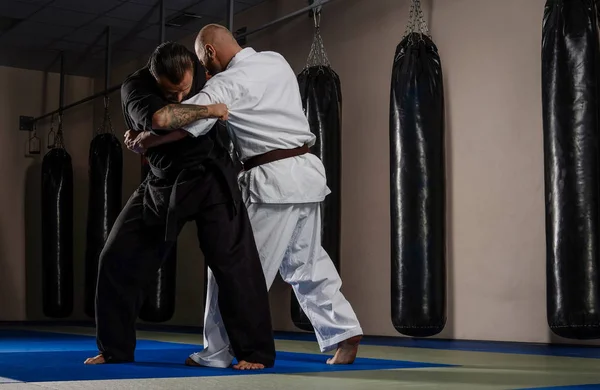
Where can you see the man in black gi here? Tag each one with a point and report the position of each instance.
(193, 179)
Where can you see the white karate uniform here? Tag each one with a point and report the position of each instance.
(283, 198)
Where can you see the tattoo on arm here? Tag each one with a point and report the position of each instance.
(175, 116)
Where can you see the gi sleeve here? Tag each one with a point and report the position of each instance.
(215, 91)
(140, 103)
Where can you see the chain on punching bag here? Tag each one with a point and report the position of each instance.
(104, 200)
(570, 99)
(321, 93)
(57, 230)
(417, 174)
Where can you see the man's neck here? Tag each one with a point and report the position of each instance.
(231, 55)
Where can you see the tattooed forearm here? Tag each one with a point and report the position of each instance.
(175, 116)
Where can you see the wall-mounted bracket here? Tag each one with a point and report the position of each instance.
(311, 13)
(26, 123)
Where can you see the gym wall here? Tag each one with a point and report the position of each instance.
(490, 55)
(31, 93)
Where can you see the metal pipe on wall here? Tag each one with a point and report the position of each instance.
(317, 3)
(162, 29)
(108, 59)
(230, 13)
(84, 100)
(61, 99)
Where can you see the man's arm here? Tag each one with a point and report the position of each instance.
(216, 90)
(141, 99)
(141, 141)
(175, 116)
(145, 110)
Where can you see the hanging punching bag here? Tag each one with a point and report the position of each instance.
(321, 93)
(570, 99)
(57, 231)
(104, 202)
(159, 305)
(224, 138)
(418, 280)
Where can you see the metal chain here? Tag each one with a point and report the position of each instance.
(51, 135)
(59, 140)
(416, 20)
(34, 142)
(107, 126)
(317, 55)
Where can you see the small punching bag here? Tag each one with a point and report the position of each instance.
(159, 305)
(571, 100)
(57, 230)
(321, 93)
(417, 174)
(104, 201)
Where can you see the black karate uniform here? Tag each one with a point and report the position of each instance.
(193, 179)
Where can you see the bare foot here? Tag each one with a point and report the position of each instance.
(346, 351)
(244, 365)
(191, 363)
(95, 360)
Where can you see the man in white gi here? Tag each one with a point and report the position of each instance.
(282, 185)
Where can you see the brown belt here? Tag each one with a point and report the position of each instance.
(274, 155)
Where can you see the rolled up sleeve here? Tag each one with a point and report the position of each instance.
(215, 91)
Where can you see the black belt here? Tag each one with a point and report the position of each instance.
(171, 230)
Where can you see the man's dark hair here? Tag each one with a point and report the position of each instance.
(171, 60)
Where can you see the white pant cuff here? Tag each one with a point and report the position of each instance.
(220, 359)
(332, 343)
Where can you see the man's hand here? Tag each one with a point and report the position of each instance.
(138, 141)
(141, 141)
(218, 110)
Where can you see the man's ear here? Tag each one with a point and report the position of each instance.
(210, 51)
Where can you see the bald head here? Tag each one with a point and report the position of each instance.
(215, 47)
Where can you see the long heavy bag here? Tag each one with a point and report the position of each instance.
(57, 234)
(225, 140)
(417, 183)
(321, 93)
(570, 96)
(159, 305)
(104, 205)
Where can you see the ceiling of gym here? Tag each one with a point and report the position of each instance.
(34, 32)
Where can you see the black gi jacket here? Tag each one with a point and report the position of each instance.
(141, 98)
(175, 162)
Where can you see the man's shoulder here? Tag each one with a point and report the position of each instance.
(271, 55)
(139, 78)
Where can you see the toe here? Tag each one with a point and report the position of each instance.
(190, 362)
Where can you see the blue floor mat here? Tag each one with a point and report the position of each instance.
(540, 349)
(59, 357)
(583, 351)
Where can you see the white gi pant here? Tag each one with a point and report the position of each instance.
(288, 237)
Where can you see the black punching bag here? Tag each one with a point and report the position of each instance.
(57, 231)
(417, 183)
(320, 89)
(159, 305)
(570, 97)
(222, 137)
(104, 205)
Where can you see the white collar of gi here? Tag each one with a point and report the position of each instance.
(242, 55)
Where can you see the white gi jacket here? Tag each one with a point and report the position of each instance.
(265, 113)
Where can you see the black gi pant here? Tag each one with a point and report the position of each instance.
(136, 248)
